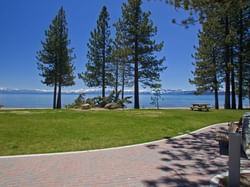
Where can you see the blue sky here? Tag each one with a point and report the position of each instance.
(23, 24)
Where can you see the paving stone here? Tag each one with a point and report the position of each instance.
(191, 160)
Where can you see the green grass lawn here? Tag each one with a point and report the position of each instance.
(43, 131)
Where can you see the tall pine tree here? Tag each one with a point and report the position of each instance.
(121, 59)
(98, 69)
(208, 61)
(140, 30)
(242, 27)
(234, 15)
(55, 59)
(47, 58)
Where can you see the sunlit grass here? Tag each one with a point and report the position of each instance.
(43, 131)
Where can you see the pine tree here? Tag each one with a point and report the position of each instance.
(98, 69)
(47, 61)
(235, 18)
(243, 36)
(55, 59)
(208, 60)
(157, 93)
(121, 59)
(116, 63)
(233, 84)
(64, 60)
(139, 30)
(246, 83)
(247, 69)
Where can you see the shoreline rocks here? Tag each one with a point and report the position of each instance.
(85, 106)
(112, 106)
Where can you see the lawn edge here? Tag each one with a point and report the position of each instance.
(108, 149)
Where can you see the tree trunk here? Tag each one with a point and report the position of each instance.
(136, 77)
(249, 93)
(157, 102)
(240, 97)
(103, 79)
(54, 97)
(216, 92)
(116, 80)
(59, 100)
(233, 80)
(103, 64)
(227, 68)
(123, 80)
(216, 83)
(216, 98)
(59, 73)
(233, 89)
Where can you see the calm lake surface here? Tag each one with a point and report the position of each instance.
(45, 100)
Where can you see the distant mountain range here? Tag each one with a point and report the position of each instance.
(91, 91)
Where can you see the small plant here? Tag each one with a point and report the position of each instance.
(78, 101)
(157, 92)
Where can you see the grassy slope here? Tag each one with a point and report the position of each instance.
(42, 131)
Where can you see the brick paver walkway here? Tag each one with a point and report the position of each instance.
(187, 161)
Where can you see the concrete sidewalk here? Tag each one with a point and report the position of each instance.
(190, 160)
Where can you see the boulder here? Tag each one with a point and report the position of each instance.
(112, 106)
(85, 106)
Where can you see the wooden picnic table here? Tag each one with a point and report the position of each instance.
(200, 106)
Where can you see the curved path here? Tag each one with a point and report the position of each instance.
(190, 160)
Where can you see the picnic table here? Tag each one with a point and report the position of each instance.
(200, 106)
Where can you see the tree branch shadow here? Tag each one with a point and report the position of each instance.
(191, 160)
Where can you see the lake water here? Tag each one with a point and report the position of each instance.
(45, 100)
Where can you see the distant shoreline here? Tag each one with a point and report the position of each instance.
(41, 108)
(98, 92)
(96, 109)
(167, 101)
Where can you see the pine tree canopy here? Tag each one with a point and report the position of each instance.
(55, 58)
(139, 31)
(98, 72)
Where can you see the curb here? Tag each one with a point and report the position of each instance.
(109, 149)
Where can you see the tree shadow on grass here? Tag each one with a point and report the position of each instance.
(191, 160)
